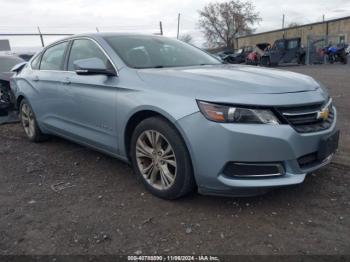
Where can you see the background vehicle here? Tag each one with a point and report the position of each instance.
(239, 56)
(284, 51)
(254, 57)
(26, 56)
(337, 53)
(7, 62)
(225, 53)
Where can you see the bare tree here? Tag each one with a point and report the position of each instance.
(293, 24)
(223, 22)
(187, 38)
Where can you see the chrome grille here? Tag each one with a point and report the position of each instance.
(305, 119)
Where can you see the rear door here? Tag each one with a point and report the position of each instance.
(91, 99)
(46, 79)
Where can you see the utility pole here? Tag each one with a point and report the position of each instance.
(283, 24)
(41, 37)
(178, 25)
(97, 30)
(161, 27)
(323, 18)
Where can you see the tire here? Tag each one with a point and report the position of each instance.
(301, 60)
(29, 123)
(345, 60)
(265, 61)
(151, 163)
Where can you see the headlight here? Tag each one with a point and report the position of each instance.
(233, 114)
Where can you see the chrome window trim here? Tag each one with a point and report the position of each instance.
(72, 39)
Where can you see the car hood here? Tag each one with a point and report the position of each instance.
(226, 81)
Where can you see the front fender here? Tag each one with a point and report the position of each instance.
(130, 103)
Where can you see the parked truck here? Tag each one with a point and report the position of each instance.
(286, 50)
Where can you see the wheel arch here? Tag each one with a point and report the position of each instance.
(19, 100)
(138, 117)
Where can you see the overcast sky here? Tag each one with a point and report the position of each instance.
(76, 16)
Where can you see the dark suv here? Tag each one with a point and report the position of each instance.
(284, 51)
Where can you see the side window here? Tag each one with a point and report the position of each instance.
(36, 62)
(53, 57)
(292, 44)
(280, 45)
(341, 39)
(84, 49)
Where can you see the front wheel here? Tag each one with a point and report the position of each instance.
(265, 61)
(301, 60)
(160, 158)
(345, 60)
(29, 122)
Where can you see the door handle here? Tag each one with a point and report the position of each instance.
(66, 81)
(36, 78)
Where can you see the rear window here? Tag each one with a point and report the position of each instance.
(53, 57)
(293, 44)
(279, 45)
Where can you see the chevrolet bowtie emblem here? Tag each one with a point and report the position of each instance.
(324, 114)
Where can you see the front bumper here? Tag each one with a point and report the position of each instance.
(213, 145)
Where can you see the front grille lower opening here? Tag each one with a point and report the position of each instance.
(253, 170)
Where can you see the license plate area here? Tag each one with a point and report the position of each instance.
(328, 145)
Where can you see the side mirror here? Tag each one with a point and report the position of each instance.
(93, 66)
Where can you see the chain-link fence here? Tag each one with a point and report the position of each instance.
(317, 46)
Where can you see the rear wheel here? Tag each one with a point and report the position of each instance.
(344, 59)
(160, 158)
(29, 122)
(301, 60)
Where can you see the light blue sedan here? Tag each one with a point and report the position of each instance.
(184, 120)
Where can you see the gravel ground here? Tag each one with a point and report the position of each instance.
(60, 198)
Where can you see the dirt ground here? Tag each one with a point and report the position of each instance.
(60, 198)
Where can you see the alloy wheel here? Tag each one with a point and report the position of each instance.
(156, 159)
(27, 118)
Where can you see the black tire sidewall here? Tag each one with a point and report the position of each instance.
(265, 61)
(183, 183)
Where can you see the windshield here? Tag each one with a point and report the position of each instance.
(7, 63)
(158, 52)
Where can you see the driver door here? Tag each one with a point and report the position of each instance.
(91, 100)
(277, 52)
(291, 54)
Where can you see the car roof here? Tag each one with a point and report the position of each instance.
(99, 35)
(95, 35)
